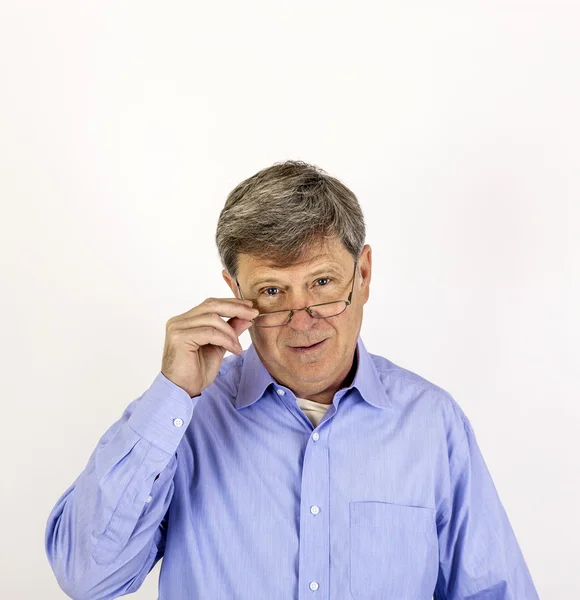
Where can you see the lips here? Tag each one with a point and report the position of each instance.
(313, 344)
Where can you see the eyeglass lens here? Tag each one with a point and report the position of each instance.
(323, 311)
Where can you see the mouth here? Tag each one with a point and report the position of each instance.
(311, 348)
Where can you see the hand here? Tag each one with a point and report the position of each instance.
(197, 340)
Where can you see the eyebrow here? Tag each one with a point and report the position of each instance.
(331, 270)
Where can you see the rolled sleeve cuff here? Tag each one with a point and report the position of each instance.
(163, 413)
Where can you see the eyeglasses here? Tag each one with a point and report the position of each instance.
(325, 310)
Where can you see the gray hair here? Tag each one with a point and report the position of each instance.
(282, 211)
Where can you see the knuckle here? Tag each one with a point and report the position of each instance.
(173, 333)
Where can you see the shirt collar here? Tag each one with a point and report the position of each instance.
(255, 379)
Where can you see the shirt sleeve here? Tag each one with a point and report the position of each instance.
(479, 556)
(107, 530)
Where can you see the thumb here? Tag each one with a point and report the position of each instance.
(239, 325)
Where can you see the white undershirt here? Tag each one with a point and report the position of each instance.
(313, 410)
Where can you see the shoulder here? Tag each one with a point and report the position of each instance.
(408, 390)
(228, 378)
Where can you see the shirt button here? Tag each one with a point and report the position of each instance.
(314, 585)
(149, 498)
(315, 436)
(280, 392)
(178, 422)
(314, 510)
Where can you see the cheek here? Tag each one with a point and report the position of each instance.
(267, 338)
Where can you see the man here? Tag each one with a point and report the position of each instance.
(301, 468)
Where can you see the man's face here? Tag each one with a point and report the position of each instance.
(325, 275)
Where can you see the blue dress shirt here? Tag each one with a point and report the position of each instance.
(387, 498)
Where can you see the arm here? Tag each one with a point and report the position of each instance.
(105, 534)
(479, 556)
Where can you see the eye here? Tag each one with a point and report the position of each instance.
(267, 290)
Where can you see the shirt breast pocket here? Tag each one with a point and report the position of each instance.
(394, 553)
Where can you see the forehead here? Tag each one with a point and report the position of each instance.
(327, 258)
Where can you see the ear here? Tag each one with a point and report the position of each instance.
(365, 266)
(231, 283)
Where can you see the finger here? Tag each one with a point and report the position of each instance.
(225, 307)
(210, 335)
(208, 320)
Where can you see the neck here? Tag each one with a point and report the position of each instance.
(326, 396)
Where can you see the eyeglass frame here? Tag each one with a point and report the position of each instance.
(306, 308)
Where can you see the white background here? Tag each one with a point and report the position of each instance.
(125, 124)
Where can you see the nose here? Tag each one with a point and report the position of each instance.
(301, 320)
